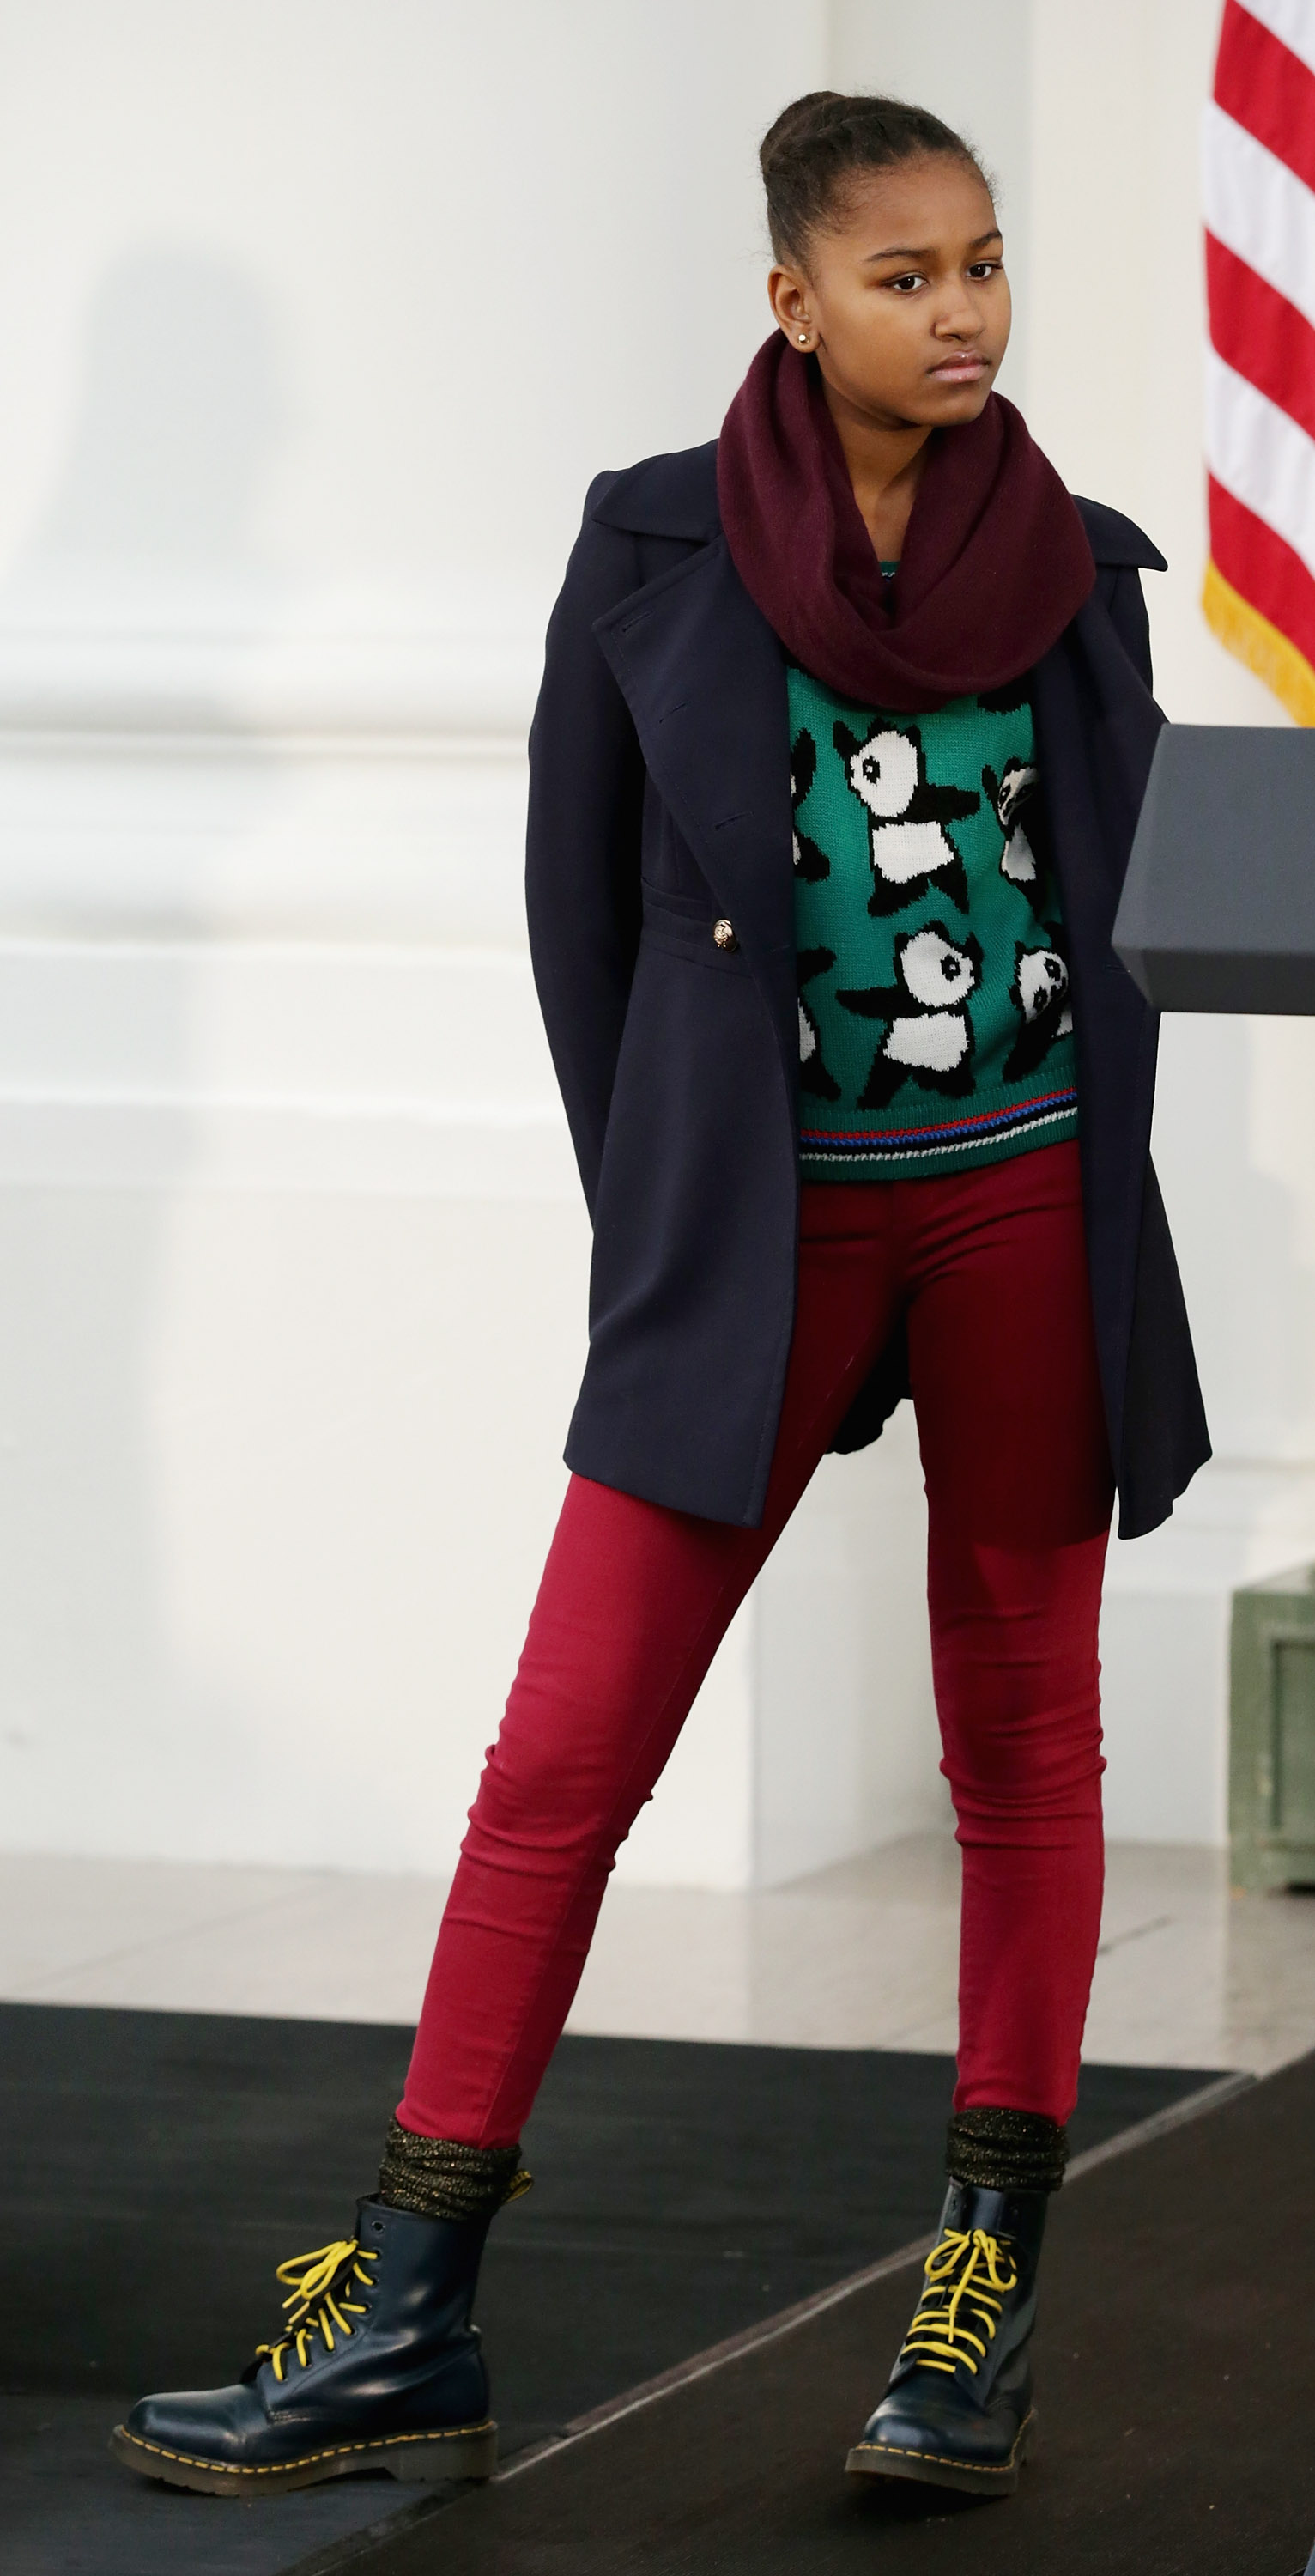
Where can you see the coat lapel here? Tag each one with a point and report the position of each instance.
(704, 678)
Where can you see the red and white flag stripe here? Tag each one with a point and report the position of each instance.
(1259, 202)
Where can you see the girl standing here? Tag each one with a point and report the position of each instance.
(843, 735)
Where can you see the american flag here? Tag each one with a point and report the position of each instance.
(1259, 184)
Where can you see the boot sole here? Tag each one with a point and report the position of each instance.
(878, 2460)
(469, 2451)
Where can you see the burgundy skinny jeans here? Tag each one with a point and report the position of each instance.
(989, 1267)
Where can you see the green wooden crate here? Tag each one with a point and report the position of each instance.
(1272, 1732)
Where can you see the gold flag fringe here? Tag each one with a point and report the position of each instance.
(1264, 648)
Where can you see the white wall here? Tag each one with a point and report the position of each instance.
(315, 320)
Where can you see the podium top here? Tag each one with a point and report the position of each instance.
(1218, 906)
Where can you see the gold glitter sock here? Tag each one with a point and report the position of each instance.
(440, 2178)
(1006, 2150)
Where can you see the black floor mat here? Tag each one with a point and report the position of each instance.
(162, 2163)
(1174, 2378)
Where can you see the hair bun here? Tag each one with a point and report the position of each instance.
(799, 112)
(821, 142)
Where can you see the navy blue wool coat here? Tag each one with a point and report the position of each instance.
(660, 804)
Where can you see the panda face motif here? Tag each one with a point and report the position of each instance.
(1019, 777)
(936, 973)
(884, 773)
(1042, 981)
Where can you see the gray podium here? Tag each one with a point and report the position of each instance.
(1218, 906)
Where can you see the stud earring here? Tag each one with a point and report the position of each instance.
(803, 339)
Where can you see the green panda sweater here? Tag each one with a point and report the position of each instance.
(934, 1022)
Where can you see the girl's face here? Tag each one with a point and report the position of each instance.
(904, 298)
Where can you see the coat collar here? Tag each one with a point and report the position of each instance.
(666, 496)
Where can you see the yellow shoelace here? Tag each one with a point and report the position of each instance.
(967, 2278)
(326, 2275)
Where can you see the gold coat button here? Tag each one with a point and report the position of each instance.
(724, 934)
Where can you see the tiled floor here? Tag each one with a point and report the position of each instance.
(856, 1957)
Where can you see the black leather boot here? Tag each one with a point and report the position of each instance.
(378, 2367)
(958, 2411)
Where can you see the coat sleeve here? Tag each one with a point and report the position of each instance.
(582, 884)
(1121, 590)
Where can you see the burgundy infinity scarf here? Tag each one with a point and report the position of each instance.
(995, 563)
